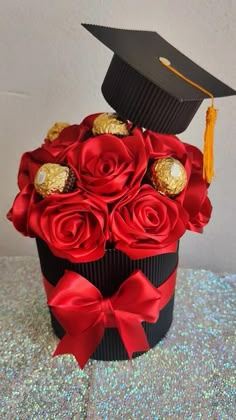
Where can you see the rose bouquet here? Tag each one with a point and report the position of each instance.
(105, 203)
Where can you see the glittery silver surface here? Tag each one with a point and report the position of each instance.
(189, 375)
(34, 385)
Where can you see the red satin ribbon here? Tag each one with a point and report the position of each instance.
(84, 314)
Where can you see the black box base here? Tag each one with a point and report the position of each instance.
(107, 274)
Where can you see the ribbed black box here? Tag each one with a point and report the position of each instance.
(107, 274)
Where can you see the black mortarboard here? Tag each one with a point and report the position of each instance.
(141, 89)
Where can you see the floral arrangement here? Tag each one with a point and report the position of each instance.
(116, 198)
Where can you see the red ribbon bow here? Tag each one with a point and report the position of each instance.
(84, 314)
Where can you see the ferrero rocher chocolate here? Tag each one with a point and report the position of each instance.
(52, 178)
(168, 176)
(110, 124)
(55, 130)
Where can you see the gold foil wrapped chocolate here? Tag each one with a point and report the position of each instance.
(52, 178)
(168, 176)
(56, 129)
(109, 124)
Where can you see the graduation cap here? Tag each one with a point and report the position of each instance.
(152, 84)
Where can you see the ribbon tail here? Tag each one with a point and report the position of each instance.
(83, 345)
(132, 334)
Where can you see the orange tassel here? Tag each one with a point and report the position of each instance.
(211, 114)
(208, 152)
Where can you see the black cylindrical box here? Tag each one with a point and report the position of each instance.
(107, 274)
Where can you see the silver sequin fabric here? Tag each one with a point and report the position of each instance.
(190, 374)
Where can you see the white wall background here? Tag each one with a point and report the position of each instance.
(51, 69)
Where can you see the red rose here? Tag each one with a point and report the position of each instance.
(108, 166)
(73, 226)
(59, 147)
(29, 166)
(195, 199)
(18, 214)
(201, 217)
(196, 158)
(164, 145)
(147, 224)
(30, 163)
(50, 152)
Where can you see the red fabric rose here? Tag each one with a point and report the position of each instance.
(108, 166)
(200, 218)
(196, 201)
(194, 197)
(50, 152)
(74, 226)
(18, 214)
(164, 145)
(196, 158)
(147, 224)
(59, 147)
(30, 163)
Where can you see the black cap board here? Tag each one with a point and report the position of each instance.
(141, 89)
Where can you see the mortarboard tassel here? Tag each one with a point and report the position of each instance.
(208, 151)
(211, 114)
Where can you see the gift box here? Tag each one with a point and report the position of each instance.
(107, 274)
(108, 199)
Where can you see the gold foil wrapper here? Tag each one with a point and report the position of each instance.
(168, 176)
(109, 124)
(56, 129)
(51, 178)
